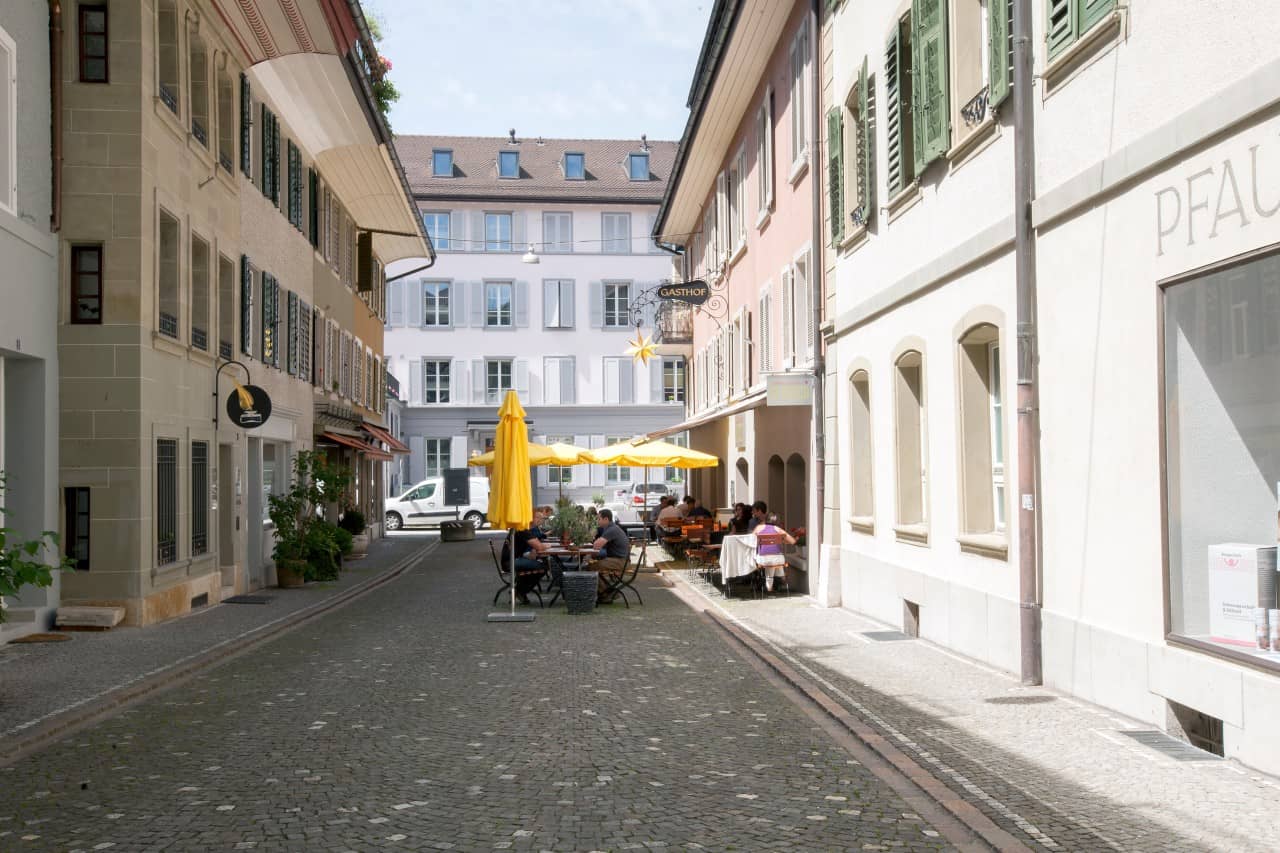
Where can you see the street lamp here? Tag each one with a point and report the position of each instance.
(531, 257)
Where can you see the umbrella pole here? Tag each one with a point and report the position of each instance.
(512, 534)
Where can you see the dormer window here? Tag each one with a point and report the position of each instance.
(442, 163)
(575, 166)
(638, 167)
(508, 164)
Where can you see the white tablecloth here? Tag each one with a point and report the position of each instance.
(737, 556)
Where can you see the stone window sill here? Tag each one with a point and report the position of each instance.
(903, 201)
(967, 149)
(853, 240)
(164, 343)
(995, 545)
(762, 220)
(862, 524)
(738, 252)
(912, 534)
(798, 168)
(1090, 47)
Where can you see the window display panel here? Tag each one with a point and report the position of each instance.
(1222, 446)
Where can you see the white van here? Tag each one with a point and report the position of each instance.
(424, 504)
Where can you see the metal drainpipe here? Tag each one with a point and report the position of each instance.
(55, 92)
(818, 470)
(1028, 391)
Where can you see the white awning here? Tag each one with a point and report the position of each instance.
(751, 401)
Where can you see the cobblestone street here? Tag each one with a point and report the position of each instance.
(406, 720)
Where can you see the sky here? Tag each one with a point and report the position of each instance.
(587, 69)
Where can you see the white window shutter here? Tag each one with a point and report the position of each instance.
(458, 304)
(477, 236)
(567, 295)
(395, 317)
(626, 381)
(417, 459)
(521, 297)
(655, 381)
(582, 473)
(477, 304)
(414, 291)
(595, 293)
(458, 451)
(550, 303)
(457, 381)
(521, 379)
(415, 382)
(518, 242)
(458, 230)
(788, 315)
(477, 380)
(598, 471)
(568, 390)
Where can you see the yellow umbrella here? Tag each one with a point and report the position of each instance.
(539, 454)
(639, 453)
(510, 495)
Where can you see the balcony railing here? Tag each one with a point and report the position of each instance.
(199, 338)
(975, 111)
(674, 323)
(198, 131)
(169, 99)
(224, 160)
(168, 324)
(224, 349)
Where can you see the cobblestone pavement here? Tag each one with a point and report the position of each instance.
(404, 720)
(41, 681)
(1055, 772)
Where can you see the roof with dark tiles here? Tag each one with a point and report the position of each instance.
(475, 168)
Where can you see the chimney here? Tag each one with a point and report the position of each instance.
(644, 142)
(512, 131)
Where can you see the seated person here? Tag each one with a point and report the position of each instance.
(668, 517)
(769, 558)
(529, 543)
(693, 509)
(759, 512)
(614, 548)
(741, 521)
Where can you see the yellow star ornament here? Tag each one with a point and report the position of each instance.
(641, 349)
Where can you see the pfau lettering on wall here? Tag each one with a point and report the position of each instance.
(1183, 211)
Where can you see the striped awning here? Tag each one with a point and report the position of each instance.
(380, 434)
(356, 444)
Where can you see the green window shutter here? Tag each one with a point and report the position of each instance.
(893, 117)
(246, 306)
(291, 211)
(275, 160)
(932, 112)
(866, 164)
(246, 133)
(264, 149)
(291, 359)
(1090, 12)
(277, 321)
(1059, 30)
(269, 354)
(998, 31)
(313, 206)
(835, 172)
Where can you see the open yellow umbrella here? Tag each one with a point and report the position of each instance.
(639, 453)
(557, 453)
(539, 454)
(510, 495)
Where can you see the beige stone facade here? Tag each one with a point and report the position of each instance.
(202, 240)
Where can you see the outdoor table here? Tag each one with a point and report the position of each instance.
(737, 557)
(571, 552)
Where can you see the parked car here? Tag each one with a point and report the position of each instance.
(642, 495)
(423, 504)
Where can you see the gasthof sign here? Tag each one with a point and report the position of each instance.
(693, 292)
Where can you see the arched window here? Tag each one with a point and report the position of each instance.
(982, 457)
(860, 465)
(912, 467)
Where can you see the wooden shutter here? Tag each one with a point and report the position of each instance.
(866, 164)
(291, 356)
(478, 380)
(293, 201)
(246, 134)
(999, 74)
(931, 112)
(835, 172)
(1059, 28)
(275, 160)
(568, 385)
(595, 293)
(395, 317)
(893, 115)
(246, 306)
(520, 296)
(313, 207)
(304, 341)
(1090, 12)
(264, 149)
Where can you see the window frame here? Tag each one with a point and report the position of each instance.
(432, 226)
(195, 285)
(198, 538)
(614, 474)
(490, 288)
(76, 543)
(674, 379)
(431, 291)
(198, 81)
(561, 286)
(798, 58)
(493, 369)
(166, 523)
(620, 320)
(615, 245)
(440, 449)
(170, 97)
(9, 144)
(81, 33)
(861, 450)
(911, 522)
(176, 284)
(512, 157)
(582, 166)
(77, 251)
(441, 152)
(498, 218)
(560, 246)
(638, 157)
(764, 157)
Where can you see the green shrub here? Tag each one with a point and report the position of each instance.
(343, 538)
(352, 521)
(324, 557)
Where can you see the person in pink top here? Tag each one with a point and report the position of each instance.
(769, 558)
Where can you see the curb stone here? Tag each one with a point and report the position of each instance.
(65, 723)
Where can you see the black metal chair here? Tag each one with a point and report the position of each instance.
(621, 583)
(504, 575)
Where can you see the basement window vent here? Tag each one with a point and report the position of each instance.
(1196, 728)
(1171, 747)
(201, 600)
(885, 636)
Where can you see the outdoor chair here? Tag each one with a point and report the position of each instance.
(766, 562)
(620, 583)
(698, 556)
(504, 575)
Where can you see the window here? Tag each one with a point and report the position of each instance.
(910, 425)
(860, 447)
(802, 312)
(557, 303)
(270, 320)
(497, 379)
(497, 305)
(497, 232)
(931, 85)
(199, 293)
(435, 303)
(557, 232)
(199, 498)
(638, 167)
(799, 57)
(508, 164)
(899, 122)
(304, 341)
(675, 475)
(673, 380)
(575, 166)
(167, 501)
(8, 123)
(270, 155)
(852, 176)
(246, 129)
(558, 382)
(617, 308)
(764, 154)
(619, 380)
(435, 380)
(982, 490)
(246, 306)
(1068, 20)
(291, 333)
(268, 480)
(294, 199)
(1221, 451)
(86, 284)
(616, 473)
(437, 225)
(436, 453)
(738, 200)
(226, 125)
(75, 500)
(442, 163)
(198, 69)
(559, 474)
(616, 233)
(167, 275)
(168, 85)
(93, 44)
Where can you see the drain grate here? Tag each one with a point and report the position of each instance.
(1034, 699)
(885, 636)
(248, 599)
(1162, 743)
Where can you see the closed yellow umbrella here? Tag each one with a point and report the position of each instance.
(510, 494)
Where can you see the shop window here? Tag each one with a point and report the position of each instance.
(982, 488)
(1222, 453)
(93, 44)
(860, 447)
(909, 422)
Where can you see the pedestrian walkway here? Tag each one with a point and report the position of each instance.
(49, 686)
(1057, 773)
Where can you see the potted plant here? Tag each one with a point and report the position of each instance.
(301, 533)
(352, 521)
(570, 523)
(20, 563)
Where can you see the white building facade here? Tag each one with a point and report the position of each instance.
(1158, 287)
(482, 320)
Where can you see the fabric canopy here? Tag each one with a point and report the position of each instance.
(539, 454)
(396, 445)
(640, 453)
(356, 444)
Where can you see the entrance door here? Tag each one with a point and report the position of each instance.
(228, 515)
(253, 517)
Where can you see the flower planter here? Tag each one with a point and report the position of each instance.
(359, 546)
(457, 531)
(580, 591)
(291, 574)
